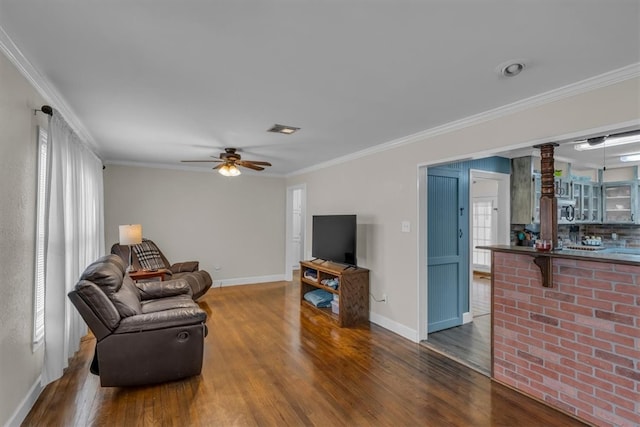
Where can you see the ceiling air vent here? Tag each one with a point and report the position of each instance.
(287, 130)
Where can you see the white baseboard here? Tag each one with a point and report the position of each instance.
(25, 406)
(467, 318)
(395, 327)
(247, 280)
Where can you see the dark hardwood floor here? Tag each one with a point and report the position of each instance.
(267, 362)
(470, 343)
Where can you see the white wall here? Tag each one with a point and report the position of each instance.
(382, 188)
(19, 366)
(237, 224)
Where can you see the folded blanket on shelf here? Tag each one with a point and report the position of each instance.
(311, 275)
(332, 283)
(319, 298)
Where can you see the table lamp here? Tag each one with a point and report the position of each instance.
(130, 234)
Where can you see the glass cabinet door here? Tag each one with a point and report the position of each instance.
(537, 191)
(618, 207)
(596, 203)
(584, 195)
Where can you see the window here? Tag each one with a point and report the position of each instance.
(41, 205)
(483, 231)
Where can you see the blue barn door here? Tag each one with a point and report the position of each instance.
(444, 253)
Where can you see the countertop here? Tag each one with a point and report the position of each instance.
(615, 255)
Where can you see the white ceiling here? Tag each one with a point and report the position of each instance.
(157, 81)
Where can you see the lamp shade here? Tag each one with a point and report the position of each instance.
(229, 170)
(130, 234)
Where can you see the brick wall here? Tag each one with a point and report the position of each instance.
(575, 346)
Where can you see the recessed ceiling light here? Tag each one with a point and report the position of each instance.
(512, 69)
(287, 130)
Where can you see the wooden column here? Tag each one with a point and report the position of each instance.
(548, 202)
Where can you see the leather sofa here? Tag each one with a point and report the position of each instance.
(146, 333)
(199, 280)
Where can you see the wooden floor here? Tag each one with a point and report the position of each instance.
(470, 343)
(269, 363)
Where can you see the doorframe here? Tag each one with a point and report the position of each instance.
(288, 253)
(504, 197)
(504, 220)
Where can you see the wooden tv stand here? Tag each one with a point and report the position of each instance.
(353, 290)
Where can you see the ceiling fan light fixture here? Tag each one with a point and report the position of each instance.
(284, 129)
(229, 170)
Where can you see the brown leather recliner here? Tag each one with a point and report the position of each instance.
(146, 333)
(199, 280)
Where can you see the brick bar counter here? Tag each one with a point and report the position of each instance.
(566, 330)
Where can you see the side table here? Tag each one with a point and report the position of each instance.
(146, 274)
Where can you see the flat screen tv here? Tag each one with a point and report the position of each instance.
(334, 238)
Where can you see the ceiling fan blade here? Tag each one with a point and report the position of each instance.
(257, 162)
(193, 161)
(219, 166)
(250, 166)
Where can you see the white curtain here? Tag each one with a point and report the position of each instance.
(75, 238)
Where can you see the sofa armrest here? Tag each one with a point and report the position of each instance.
(162, 289)
(185, 267)
(162, 320)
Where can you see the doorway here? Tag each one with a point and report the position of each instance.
(295, 228)
(488, 200)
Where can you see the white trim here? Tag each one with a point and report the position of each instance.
(247, 280)
(395, 327)
(467, 317)
(25, 405)
(592, 83)
(42, 85)
(421, 253)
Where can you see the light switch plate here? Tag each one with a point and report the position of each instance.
(406, 227)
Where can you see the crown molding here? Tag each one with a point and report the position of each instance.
(583, 86)
(45, 89)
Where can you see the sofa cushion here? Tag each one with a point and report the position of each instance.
(127, 299)
(107, 272)
(200, 281)
(165, 288)
(101, 305)
(168, 303)
(188, 266)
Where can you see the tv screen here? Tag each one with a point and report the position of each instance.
(334, 238)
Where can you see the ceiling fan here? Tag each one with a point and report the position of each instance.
(229, 162)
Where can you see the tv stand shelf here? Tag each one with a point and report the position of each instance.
(353, 290)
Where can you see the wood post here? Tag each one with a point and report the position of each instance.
(548, 202)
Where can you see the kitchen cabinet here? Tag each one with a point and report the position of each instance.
(619, 202)
(587, 201)
(525, 192)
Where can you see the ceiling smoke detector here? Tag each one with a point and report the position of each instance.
(287, 130)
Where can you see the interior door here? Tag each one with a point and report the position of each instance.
(444, 240)
(296, 232)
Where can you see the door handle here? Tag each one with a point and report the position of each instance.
(460, 233)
